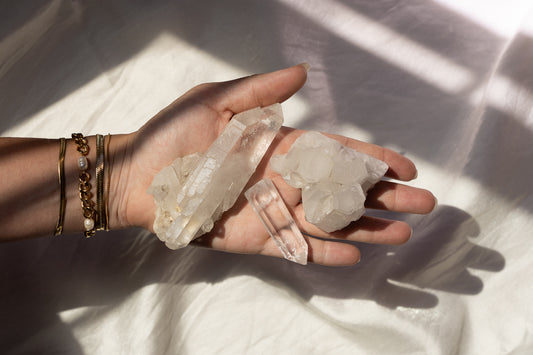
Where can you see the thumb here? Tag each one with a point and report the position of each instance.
(260, 90)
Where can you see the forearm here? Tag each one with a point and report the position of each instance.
(30, 187)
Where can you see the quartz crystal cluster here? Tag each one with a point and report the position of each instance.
(334, 179)
(193, 192)
(271, 210)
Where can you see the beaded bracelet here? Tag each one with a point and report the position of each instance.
(87, 204)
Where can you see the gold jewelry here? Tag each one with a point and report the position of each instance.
(62, 196)
(100, 177)
(87, 204)
(106, 185)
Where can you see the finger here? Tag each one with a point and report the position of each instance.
(366, 229)
(330, 253)
(259, 90)
(323, 252)
(386, 195)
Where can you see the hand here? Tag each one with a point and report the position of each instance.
(192, 123)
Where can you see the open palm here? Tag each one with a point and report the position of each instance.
(194, 121)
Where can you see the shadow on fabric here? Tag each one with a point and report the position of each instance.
(44, 277)
(437, 260)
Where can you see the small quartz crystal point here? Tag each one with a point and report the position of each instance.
(334, 179)
(194, 191)
(273, 213)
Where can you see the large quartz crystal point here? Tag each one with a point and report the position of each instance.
(218, 178)
(271, 210)
(334, 179)
(165, 187)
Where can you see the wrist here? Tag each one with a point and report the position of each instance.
(120, 158)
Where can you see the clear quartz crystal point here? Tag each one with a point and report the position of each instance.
(271, 210)
(220, 176)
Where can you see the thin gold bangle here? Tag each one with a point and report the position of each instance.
(106, 186)
(100, 175)
(62, 195)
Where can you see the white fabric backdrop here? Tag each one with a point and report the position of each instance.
(449, 83)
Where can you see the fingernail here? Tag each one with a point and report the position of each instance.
(306, 66)
(358, 260)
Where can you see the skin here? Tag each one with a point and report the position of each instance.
(190, 124)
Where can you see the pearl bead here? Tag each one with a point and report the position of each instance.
(83, 164)
(88, 223)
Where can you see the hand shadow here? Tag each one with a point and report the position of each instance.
(440, 257)
(436, 258)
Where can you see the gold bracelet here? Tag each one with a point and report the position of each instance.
(100, 177)
(62, 196)
(87, 204)
(106, 185)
